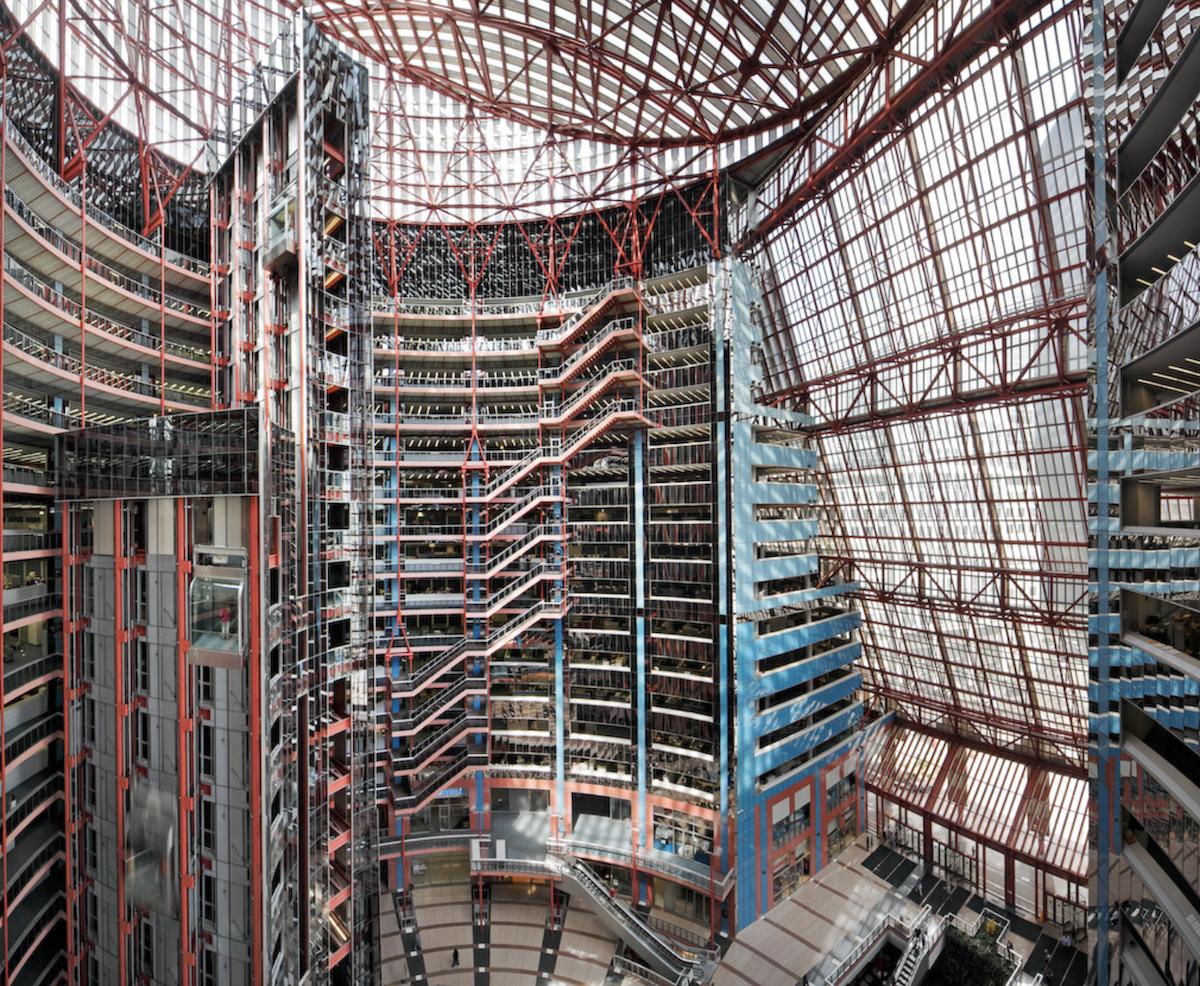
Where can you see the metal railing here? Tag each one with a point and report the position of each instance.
(584, 353)
(27, 736)
(100, 322)
(413, 758)
(701, 879)
(463, 686)
(408, 685)
(44, 353)
(42, 601)
(16, 675)
(464, 344)
(27, 476)
(20, 873)
(70, 249)
(30, 540)
(495, 564)
(426, 785)
(557, 451)
(623, 966)
(868, 941)
(480, 379)
(556, 334)
(593, 385)
(29, 796)
(385, 305)
(659, 951)
(102, 218)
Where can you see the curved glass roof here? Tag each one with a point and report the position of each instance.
(625, 71)
(929, 306)
(920, 232)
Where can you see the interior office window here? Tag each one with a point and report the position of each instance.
(204, 676)
(141, 680)
(91, 854)
(87, 644)
(206, 749)
(208, 898)
(93, 917)
(89, 784)
(142, 593)
(208, 968)
(85, 595)
(208, 825)
(146, 950)
(87, 712)
(142, 730)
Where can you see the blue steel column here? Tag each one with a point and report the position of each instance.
(722, 559)
(560, 697)
(639, 593)
(836, 732)
(476, 553)
(1105, 799)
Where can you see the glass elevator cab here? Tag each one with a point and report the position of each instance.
(217, 607)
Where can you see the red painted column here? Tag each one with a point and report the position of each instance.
(254, 666)
(3, 752)
(69, 760)
(162, 321)
(184, 732)
(83, 224)
(120, 636)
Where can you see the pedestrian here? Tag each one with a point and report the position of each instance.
(454, 959)
(226, 616)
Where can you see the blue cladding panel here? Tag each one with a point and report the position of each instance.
(639, 525)
(814, 667)
(822, 732)
(742, 428)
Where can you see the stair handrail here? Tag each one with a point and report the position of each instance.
(461, 686)
(872, 937)
(591, 386)
(586, 301)
(496, 563)
(584, 352)
(510, 629)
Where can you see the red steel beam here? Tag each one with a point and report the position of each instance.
(120, 636)
(258, 890)
(184, 731)
(986, 30)
(3, 741)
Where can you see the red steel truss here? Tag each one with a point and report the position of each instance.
(915, 184)
(631, 73)
(925, 270)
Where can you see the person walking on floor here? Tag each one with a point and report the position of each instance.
(454, 959)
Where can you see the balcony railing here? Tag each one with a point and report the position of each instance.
(44, 353)
(70, 249)
(24, 738)
(29, 540)
(18, 674)
(37, 847)
(481, 344)
(32, 915)
(27, 797)
(101, 322)
(99, 216)
(27, 476)
(28, 600)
